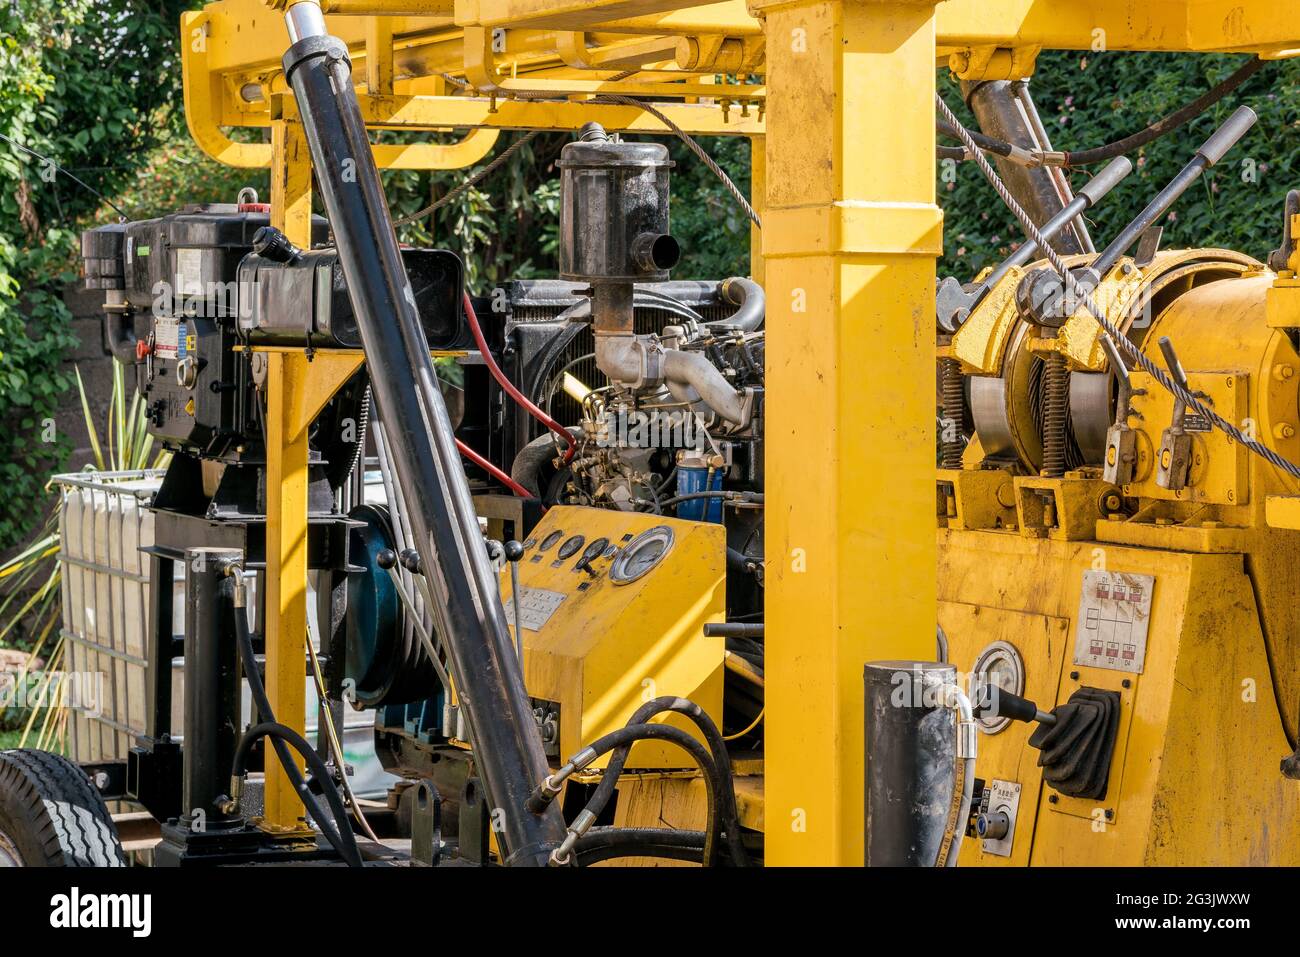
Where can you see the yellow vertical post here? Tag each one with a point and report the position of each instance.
(851, 233)
(286, 576)
(379, 56)
(286, 491)
(291, 181)
(757, 198)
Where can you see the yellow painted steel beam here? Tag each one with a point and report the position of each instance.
(297, 389)
(486, 74)
(757, 199)
(435, 112)
(851, 232)
(1170, 25)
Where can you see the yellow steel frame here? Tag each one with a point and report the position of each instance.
(844, 137)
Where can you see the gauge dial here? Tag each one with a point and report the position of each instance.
(641, 555)
(999, 664)
(594, 550)
(570, 546)
(549, 541)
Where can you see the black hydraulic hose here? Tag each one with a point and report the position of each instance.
(340, 835)
(466, 604)
(279, 733)
(1099, 154)
(119, 337)
(621, 740)
(728, 494)
(1171, 122)
(751, 299)
(730, 817)
(605, 843)
(986, 143)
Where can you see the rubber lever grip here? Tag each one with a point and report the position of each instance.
(992, 702)
(1226, 136)
(1106, 180)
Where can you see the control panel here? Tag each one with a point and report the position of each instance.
(612, 606)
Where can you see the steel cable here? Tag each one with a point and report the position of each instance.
(1076, 294)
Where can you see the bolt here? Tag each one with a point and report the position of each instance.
(1074, 676)
(1052, 799)
(1126, 683)
(1110, 814)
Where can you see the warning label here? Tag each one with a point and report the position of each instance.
(536, 609)
(171, 340)
(1114, 615)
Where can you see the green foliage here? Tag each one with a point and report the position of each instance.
(92, 84)
(507, 225)
(708, 222)
(1090, 99)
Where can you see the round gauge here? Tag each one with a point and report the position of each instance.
(594, 550)
(570, 546)
(611, 551)
(641, 555)
(549, 541)
(1001, 665)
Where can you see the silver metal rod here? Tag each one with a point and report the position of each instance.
(304, 19)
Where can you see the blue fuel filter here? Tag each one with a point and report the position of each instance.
(701, 478)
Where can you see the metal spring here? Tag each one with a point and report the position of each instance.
(954, 413)
(1056, 404)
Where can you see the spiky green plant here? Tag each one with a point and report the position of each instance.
(31, 581)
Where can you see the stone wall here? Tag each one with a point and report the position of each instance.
(96, 372)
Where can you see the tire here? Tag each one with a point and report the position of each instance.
(51, 815)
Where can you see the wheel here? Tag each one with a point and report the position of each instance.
(51, 815)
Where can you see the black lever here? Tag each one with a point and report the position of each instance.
(991, 701)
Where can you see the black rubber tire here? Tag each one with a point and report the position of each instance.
(52, 815)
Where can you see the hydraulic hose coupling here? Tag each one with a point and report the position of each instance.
(551, 788)
(951, 696)
(562, 855)
(548, 790)
(231, 804)
(967, 729)
(235, 570)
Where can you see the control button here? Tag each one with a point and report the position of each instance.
(993, 826)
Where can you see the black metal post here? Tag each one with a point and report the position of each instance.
(911, 762)
(467, 605)
(211, 685)
(1001, 115)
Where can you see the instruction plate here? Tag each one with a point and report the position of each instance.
(1114, 615)
(536, 609)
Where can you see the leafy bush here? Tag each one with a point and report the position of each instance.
(92, 84)
(1090, 99)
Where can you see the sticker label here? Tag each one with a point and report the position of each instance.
(189, 272)
(1114, 615)
(536, 609)
(170, 339)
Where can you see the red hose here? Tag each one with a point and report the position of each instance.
(509, 387)
(492, 470)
